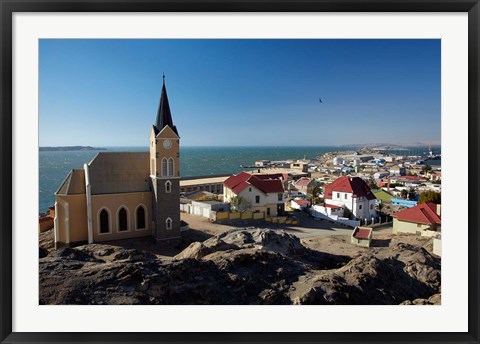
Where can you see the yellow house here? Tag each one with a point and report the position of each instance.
(263, 192)
(122, 195)
(421, 219)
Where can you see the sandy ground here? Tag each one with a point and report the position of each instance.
(317, 235)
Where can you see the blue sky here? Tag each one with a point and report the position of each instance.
(240, 92)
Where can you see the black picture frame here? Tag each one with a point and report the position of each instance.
(9, 7)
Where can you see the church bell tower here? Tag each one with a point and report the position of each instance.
(165, 172)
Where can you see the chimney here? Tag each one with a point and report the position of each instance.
(388, 185)
(439, 209)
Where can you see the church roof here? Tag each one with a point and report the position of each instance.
(74, 184)
(119, 172)
(164, 115)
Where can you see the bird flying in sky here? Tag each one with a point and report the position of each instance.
(320, 99)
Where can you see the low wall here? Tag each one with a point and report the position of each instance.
(428, 233)
(437, 246)
(258, 216)
(246, 215)
(334, 218)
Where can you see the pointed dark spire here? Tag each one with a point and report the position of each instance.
(164, 116)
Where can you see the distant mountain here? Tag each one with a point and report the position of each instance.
(374, 145)
(69, 148)
(390, 145)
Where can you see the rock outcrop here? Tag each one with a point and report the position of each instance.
(244, 266)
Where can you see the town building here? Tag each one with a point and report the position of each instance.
(304, 185)
(353, 194)
(213, 184)
(263, 192)
(398, 171)
(420, 219)
(121, 195)
(361, 236)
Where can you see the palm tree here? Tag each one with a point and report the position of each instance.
(317, 189)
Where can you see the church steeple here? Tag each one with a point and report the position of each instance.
(164, 116)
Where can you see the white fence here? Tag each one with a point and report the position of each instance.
(428, 233)
(334, 218)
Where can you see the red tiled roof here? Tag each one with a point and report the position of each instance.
(361, 232)
(236, 179)
(271, 176)
(424, 213)
(353, 185)
(240, 186)
(412, 178)
(265, 182)
(329, 206)
(303, 181)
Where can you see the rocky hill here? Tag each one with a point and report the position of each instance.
(243, 266)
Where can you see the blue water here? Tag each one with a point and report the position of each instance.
(194, 161)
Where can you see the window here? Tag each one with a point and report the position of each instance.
(168, 186)
(360, 206)
(338, 194)
(141, 217)
(268, 211)
(122, 220)
(371, 206)
(250, 189)
(257, 199)
(104, 222)
(346, 196)
(170, 167)
(157, 155)
(280, 197)
(168, 223)
(164, 167)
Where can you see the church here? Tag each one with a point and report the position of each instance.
(120, 195)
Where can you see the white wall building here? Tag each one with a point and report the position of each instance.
(263, 192)
(354, 194)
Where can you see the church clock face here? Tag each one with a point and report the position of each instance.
(167, 144)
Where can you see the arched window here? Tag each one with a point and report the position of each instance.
(122, 220)
(170, 166)
(169, 223)
(104, 222)
(164, 167)
(168, 186)
(141, 217)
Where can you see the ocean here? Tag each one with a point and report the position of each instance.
(194, 161)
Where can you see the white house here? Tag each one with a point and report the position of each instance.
(299, 204)
(398, 171)
(353, 194)
(263, 192)
(329, 209)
